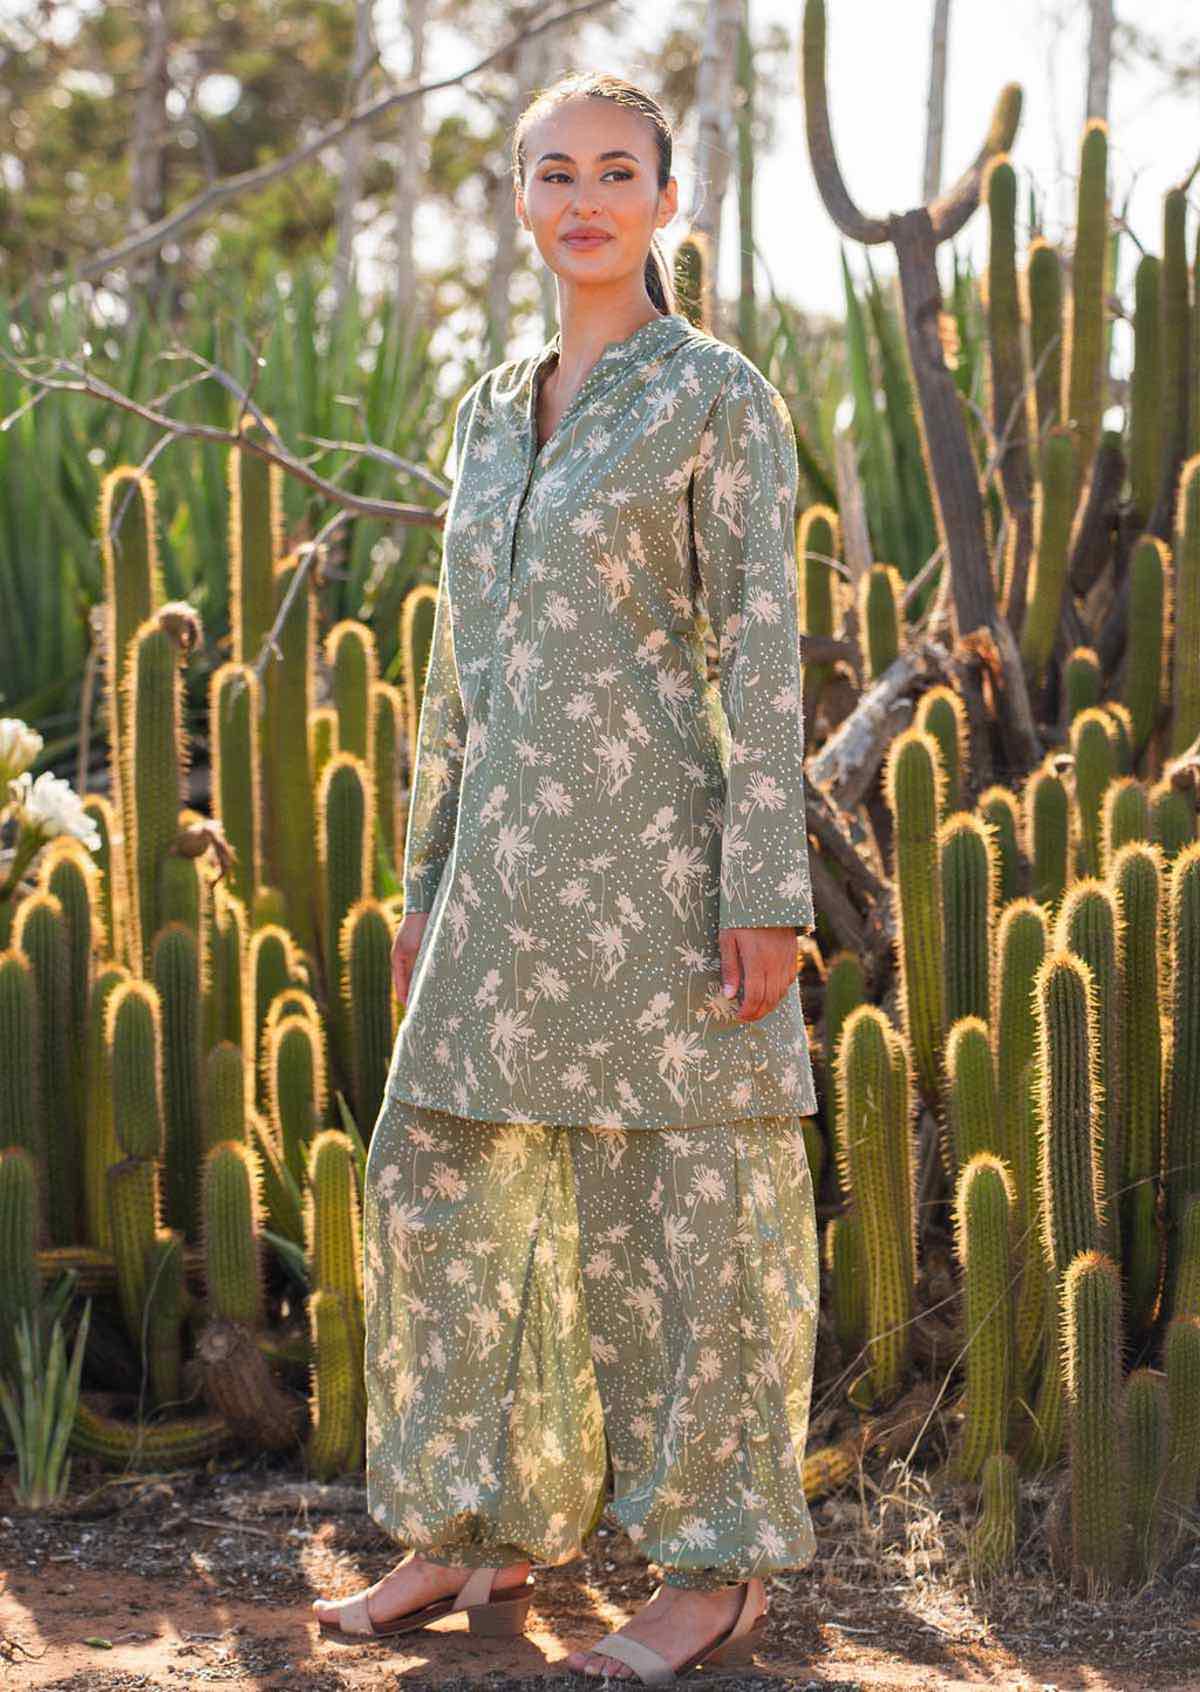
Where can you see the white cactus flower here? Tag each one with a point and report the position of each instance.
(19, 746)
(52, 806)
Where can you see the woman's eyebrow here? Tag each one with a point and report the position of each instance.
(613, 153)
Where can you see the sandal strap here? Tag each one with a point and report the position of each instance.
(353, 1616)
(476, 1589)
(745, 1619)
(650, 1668)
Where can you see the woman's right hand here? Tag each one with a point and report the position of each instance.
(405, 947)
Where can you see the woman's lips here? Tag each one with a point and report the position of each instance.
(585, 240)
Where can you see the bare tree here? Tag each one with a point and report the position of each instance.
(1099, 59)
(147, 173)
(935, 121)
(354, 152)
(410, 166)
(715, 138)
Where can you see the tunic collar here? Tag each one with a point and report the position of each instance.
(647, 341)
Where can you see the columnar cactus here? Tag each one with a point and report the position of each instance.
(157, 764)
(1145, 673)
(817, 541)
(1145, 393)
(1181, 1354)
(1049, 834)
(880, 618)
(845, 988)
(999, 810)
(1185, 698)
(20, 1285)
(1081, 681)
(1091, 926)
(354, 668)
(983, 1213)
(293, 1061)
(40, 935)
(970, 1094)
(877, 1171)
(1095, 765)
(175, 971)
(1136, 878)
(993, 1540)
(1092, 1322)
(942, 714)
(967, 869)
(387, 704)
(1181, 1121)
(1144, 1441)
(290, 841)
(345, 814)
(1054, 507)
(915, 786)
(1083, 350)
(232, 1239)
(845, 1260)
(235, 713)
(1124, 816)
(366, 947)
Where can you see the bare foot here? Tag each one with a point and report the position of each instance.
(414, 1583)
(676, 1623)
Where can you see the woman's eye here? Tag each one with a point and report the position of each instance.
(555, 175)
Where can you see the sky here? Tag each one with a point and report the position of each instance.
(878, 70)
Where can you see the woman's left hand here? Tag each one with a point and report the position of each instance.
(762, 962)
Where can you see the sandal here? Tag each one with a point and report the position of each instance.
(498, 1616)
(736, 1645)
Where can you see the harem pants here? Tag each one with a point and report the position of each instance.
(531, 1291)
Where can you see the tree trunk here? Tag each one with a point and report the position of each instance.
(1099, 59)
(147, 175)
(354, 153)
(935, 116)
(715, 141)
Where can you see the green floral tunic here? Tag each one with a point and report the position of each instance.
(588, 809)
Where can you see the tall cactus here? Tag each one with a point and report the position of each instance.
(1145, 674)
(290, 845)
(40, 934)
(157, 764)
(817, 541)
(999, 810)
(1049, 834)
(354, 667)
(1144, 1438)
(1095, 766)
(175, 971)
(1091, 926)
(880, 618)
(877, 1166)
(1083, 350)
(367, 975)
(1181, 1118)
(845, 988)
(1185, 698)
(967, 869)
(915, 783)
(984, 1201)
(942, 714)
(235, 712)
(1054, 507)
(1136, 878)
(970, 1093)
(1092, 1322)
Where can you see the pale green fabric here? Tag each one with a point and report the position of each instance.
(588, 809)
(531, 1290)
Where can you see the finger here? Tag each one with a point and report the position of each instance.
(731, 969)
(753, 989)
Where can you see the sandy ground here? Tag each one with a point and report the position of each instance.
(197, 1579)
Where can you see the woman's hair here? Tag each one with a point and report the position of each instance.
(597, 85)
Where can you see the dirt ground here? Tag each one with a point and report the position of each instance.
(196, 1578)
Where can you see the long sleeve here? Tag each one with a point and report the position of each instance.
(441, 742)
(743, 516)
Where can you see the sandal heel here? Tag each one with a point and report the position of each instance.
(738, 1650)
(503, 1618)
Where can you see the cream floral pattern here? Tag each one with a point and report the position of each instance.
(588, 809)
(531, 1290)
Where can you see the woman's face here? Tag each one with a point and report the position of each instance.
(569, 187)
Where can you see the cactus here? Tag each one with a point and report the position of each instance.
(1172, 818)
(983, 1209)
(281, 1192)
(100, 1144)
(1095, 766)
(970, 1094)
(1091, 1298)
(166, 1301)
(1011, 401)
(132, 591)
(111, 901)
(232, 1233)
(226, 943)
(915, 782)
(417, 611)
(335, 1444)
(157, 760)
(942, 714)
(1144, 1440)
(135, 1217)
(992, 1544)
(289, 844)
(270, 966)
(1181, 1355)
(224, 1094)
(1081, 681)
(1185, 697)
(135, 1445)
(880, 618)
(845, 987)
(845, 1262)
(1145, 396)
(1136, 878)
(354, 666)
(1120, 722)
(387, 703)
(133, 1040)
(1043, 274)
(999, 810)
(235, 713)
(1185, 1287)
(817, 541)
(1181, 1116)
(1145, 672)
(1124, 816)
(20, 1288)
(1083, 350)
(293, 1061)
(1049, 834)
(21, 1121)
(175, 970)
(967, 870)
(1054, 507)
(1021, 944)
(876, 1172)
(345, 810)
(40, 934)
(367, 975)
(1090, 925)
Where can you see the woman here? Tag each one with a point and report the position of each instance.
(589, 1232)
